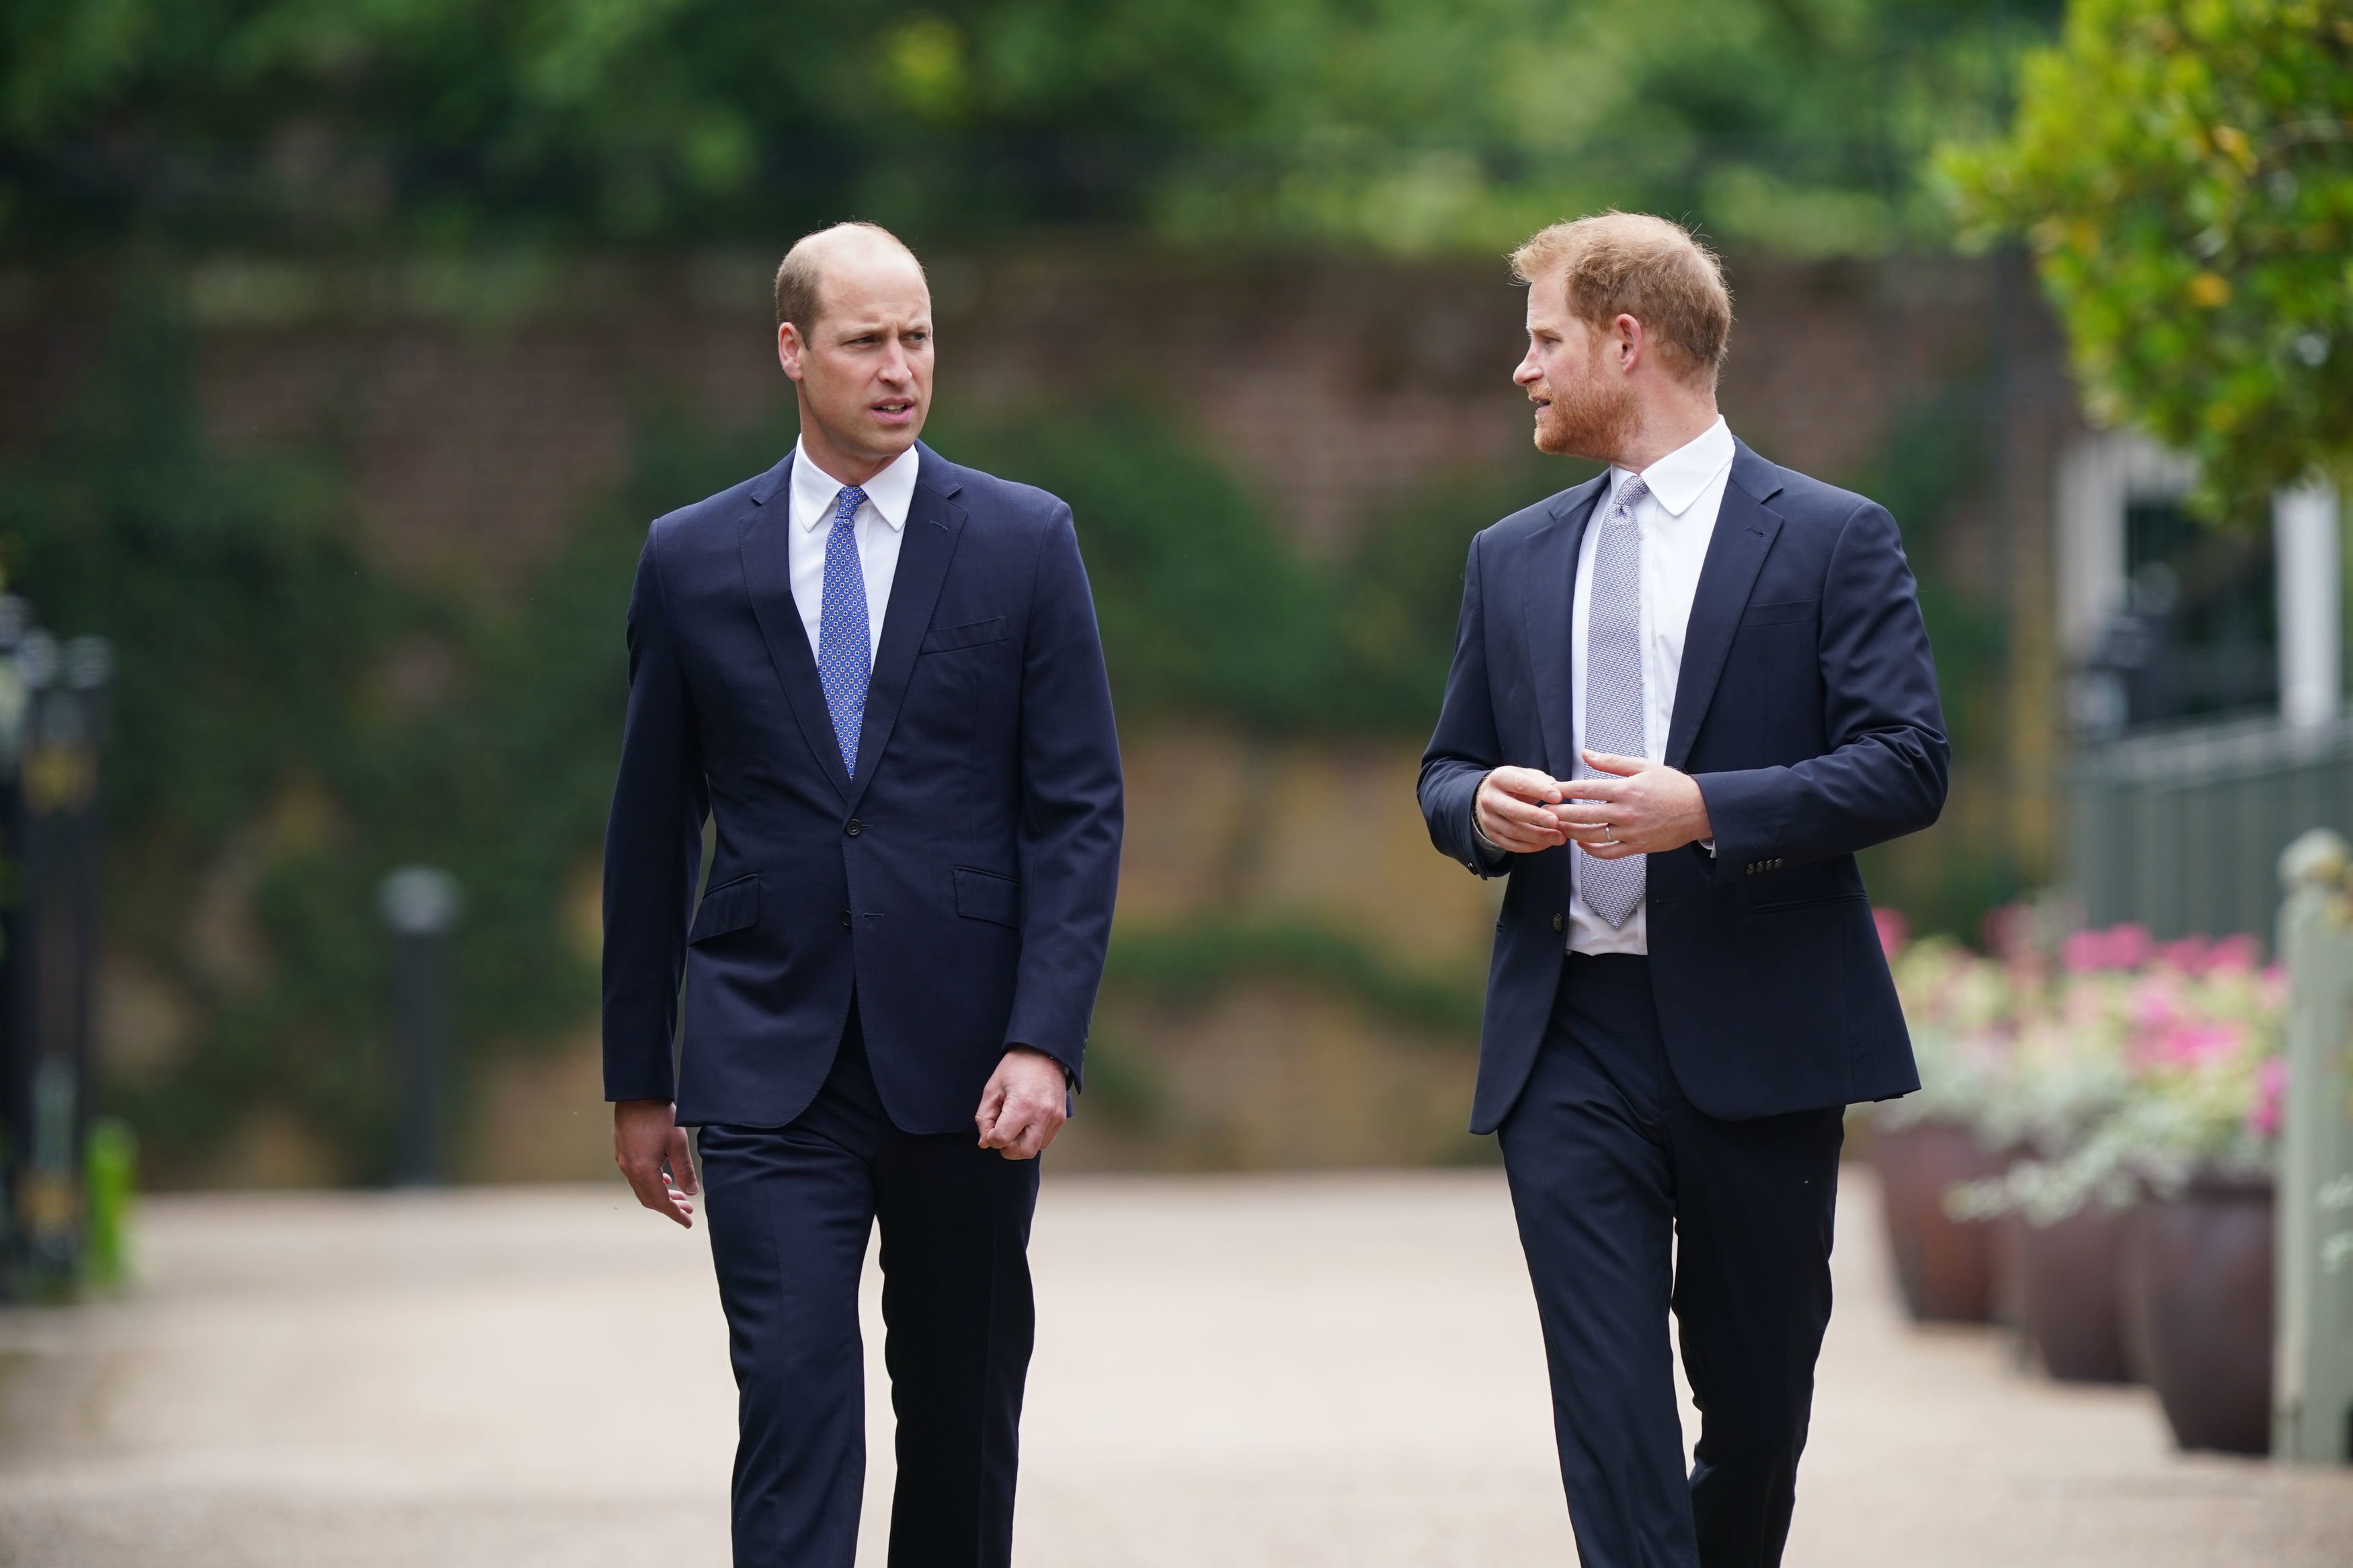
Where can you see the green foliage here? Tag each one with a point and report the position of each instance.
(1407, 123)
(264, 773)
(1205, 607)
(243, 622)
(110, 1192)
(2184, 170)
(1193, 962)
(1175, 547)
(1932, 464)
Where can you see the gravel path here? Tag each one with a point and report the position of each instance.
(1245, 1372)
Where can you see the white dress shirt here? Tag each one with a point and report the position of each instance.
(1676, 521)
(880, 522)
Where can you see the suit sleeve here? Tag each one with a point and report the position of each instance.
(1464, 748)
(1886, 771)
(653, 847)
(1071, 808)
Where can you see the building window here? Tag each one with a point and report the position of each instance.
(2207, 607)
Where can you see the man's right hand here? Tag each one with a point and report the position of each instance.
(1512, 810)
(647, 1137)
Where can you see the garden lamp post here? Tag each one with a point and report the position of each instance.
(420, 905)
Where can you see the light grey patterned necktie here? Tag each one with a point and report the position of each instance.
(1613, 688)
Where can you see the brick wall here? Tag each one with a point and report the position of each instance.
(484, 403)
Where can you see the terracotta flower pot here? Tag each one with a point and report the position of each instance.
(2071, 1295)
(1943, 1265)
(2199, 1287)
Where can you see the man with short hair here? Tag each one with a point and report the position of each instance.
(877, 675)
(1685, 693)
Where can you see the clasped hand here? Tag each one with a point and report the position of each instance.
(1638, 807)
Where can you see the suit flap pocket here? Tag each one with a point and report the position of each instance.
(986, 896)
(730, 907)
(1780, 614)
(942, 639)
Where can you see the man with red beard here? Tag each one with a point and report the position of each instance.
(1685, 693)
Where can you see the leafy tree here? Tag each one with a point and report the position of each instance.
(2184, 171)
(1796, 123)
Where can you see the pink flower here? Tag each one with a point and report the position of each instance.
(2192, 1045)
(2188, 955)
(1894, 930)
(2234, 955)
(2156, 1002)
(2271, 1094)
(2118, 947)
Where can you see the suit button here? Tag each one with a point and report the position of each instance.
(845, 920)
(855, 827)
(1558, 923)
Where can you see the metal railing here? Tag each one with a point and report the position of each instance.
(2181, 830)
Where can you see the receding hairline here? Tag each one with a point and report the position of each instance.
(1654, 268)
(801, 276)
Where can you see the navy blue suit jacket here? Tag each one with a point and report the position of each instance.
(1807, 710)
(962, 881)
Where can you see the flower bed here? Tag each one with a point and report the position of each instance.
(2102, 1074)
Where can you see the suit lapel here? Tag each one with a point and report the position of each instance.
(1548, 589)
(764, 539)
(1744, 530)
(934, 525)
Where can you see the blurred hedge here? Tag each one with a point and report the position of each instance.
(1791, 125)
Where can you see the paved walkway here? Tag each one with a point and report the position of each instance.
(1243, 1373)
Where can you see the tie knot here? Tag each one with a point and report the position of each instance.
(846, 505)
(1632, 490)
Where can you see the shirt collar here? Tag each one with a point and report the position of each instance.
(892, 491)
(1677, 479)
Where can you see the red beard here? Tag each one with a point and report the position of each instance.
(1590, 419)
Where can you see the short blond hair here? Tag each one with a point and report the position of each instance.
(1632, 264)
(801, 275)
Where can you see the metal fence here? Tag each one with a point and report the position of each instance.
(2181, 830)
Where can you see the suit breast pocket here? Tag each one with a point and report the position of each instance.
(973, 634)
(1782, 613)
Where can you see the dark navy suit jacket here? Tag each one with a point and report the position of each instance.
(1807, 710)
(962, 881)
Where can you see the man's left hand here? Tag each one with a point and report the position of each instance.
(1643, 808)
(1025, 1104)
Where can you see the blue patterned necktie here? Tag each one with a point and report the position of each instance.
(1613, 690)
(845, 649)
